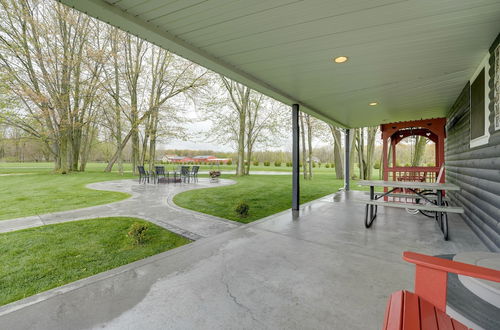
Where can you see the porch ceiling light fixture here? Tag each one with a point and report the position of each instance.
(373, 104)
(340, 59)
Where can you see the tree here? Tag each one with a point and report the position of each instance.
(264, 125)
(337, 151)
(114, 89)
(53, 63)
(153, 77)
(418, 150)
(305, 167)
(308, 122)
(243, 118)
(240, 97)
(364, 141)
(135, 51)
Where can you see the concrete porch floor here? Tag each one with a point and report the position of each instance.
(320, 270)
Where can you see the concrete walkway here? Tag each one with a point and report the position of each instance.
(149, 201)
(320, 269)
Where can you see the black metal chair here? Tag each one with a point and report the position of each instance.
(194, 173)
(160, 172)
(143, 174)
(185, 173)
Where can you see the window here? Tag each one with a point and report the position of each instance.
(479, 114)
(477, 104)
(497, 88)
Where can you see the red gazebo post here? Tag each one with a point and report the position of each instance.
(393, 133)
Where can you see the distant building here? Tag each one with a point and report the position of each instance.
(176, 159)
(210, 159)
(314, 159)
(202, 159)
(195, 159)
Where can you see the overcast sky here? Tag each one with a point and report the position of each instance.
(197, 128)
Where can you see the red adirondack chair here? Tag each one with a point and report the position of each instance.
(426, 308)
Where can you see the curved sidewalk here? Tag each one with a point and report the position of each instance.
(149, 202)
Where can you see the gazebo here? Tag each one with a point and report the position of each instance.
(393, 133)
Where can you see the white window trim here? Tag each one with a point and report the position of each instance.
(482, 140)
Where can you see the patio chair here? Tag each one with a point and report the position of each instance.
(143, 174)
(194, 173)
(185, 173)
(426, 308)
(160, 172)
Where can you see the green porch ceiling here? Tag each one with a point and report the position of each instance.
(412, 57)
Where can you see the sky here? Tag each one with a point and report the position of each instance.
(198, 141)
(196, 131)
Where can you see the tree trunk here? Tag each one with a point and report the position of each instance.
(249, 157)
(152, 137)
(304, 151)
(135, 136)
(337, 152)
(419, 150)
(63, 151)
(240, 169)
(370, 151)
(309, 145)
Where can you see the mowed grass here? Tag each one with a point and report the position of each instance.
(45, 192)
(38, 259)
(127, 167)
(265, 194)
(28, 189)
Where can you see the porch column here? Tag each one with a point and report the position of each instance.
(347, 160)
(295, 158)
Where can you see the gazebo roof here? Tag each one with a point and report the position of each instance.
(411, 57)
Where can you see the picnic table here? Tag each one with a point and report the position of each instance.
(425, 197)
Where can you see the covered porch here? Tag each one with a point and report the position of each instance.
(315, 266)
(318, 270)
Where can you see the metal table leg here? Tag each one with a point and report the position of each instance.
(442, 216)
(370, 210)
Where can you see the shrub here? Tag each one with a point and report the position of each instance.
(267, 163)
(289, 164)
(256, 163)
(242, 209)
(230, 162)
(332, 165)
(319, 164)
(377, 165)
(277, 164)
(138, 232)
(314, 164)
(327, 165)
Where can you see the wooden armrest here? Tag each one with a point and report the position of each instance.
(431, 276)
(451, 266)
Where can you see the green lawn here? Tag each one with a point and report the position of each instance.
(44, 192)
(38, 259)
(92, 167)
(31, 188)
(265, 194)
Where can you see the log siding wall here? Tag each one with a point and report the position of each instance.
(475, 170)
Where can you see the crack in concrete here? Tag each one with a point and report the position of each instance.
(235, 299)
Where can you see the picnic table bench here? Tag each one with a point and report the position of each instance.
(426, 197)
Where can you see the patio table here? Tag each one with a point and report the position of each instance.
(439, 206)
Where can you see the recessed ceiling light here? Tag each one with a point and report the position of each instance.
(373, 103)
(340, 59)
